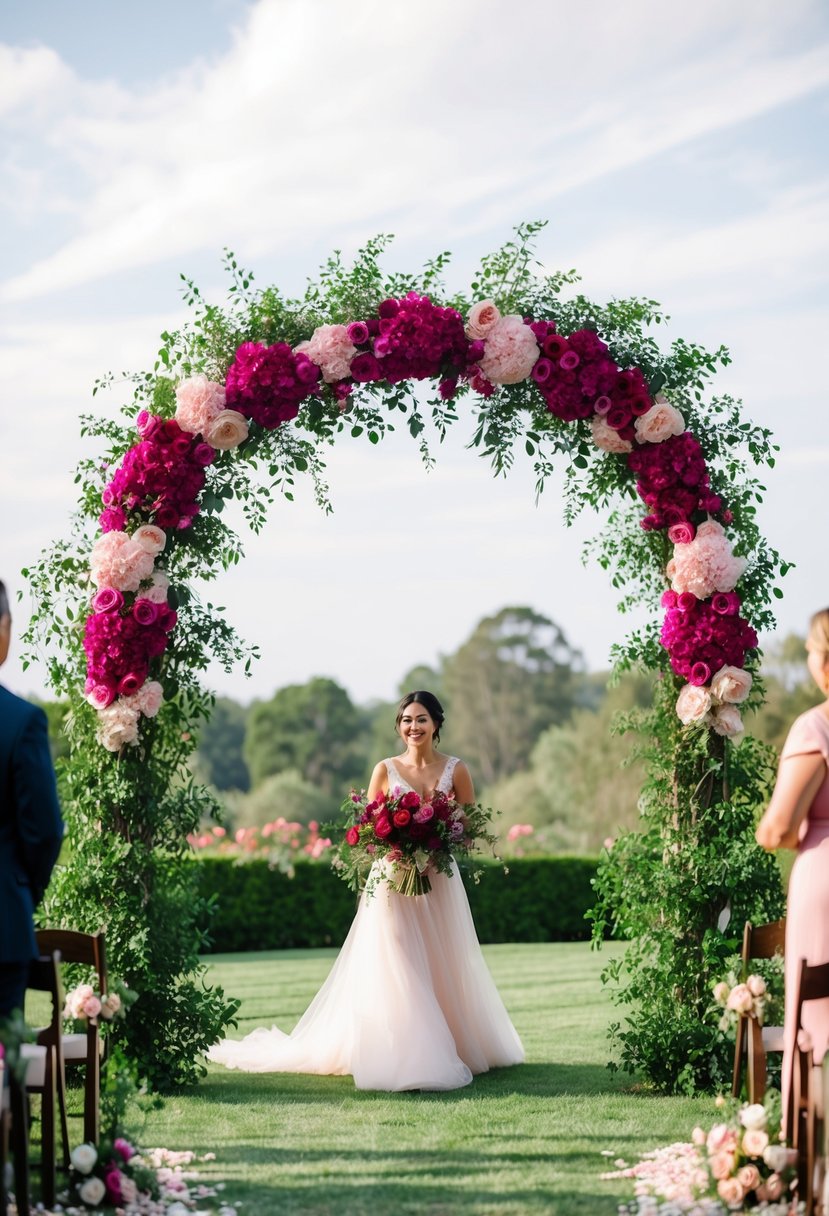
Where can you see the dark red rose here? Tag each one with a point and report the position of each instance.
(410, 801)
(383, 826)
(352, 836)
(401, 818)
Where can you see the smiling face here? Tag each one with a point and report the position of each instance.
(416, 726)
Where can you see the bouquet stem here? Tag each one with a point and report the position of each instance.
(410, 881)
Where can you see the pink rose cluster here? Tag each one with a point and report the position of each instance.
(672, 481)
(706, 564)
(269, 383)
(120, 642)
(716, 704)
(411, 339)
(703, 636)
(162, 476)
(200, 409)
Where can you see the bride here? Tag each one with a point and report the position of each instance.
(409, 1002)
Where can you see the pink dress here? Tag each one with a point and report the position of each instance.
(408, 1004)
(807, 911)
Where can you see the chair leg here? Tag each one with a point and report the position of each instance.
(60, 1085)
(47, 1132)
(756, 1062)
(739, 1047)
(20, 1143)
(92, 1096)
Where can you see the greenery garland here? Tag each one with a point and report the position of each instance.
(240, 402)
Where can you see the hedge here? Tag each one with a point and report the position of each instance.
(539, 899)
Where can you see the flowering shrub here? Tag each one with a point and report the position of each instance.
(279, 843)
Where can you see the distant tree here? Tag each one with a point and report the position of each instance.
(514, 677)
(219, 757)
(312, 728)
(582, 784)
(424, 677)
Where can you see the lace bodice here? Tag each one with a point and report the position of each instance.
(444, 784)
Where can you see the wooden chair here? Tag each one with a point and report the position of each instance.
(87, 949)
(753, 1041)
(44, 1066)
(805, 1114)
(13, 1136)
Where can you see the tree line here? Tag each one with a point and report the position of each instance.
(541, 734)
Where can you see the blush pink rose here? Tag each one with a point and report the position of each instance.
(721, 1139)
(755, 1142)
(660, 422)
(482, 318)
(730, 1191)
(698, 1137)
(740, 999)
(721, 1164)
(693, 704)
(91, 1007)
(756, 985)
(157, 591)
(727, 721)
(199, 402)
(227, 431)
(607, 438)
(100, 695)
(748, 1177)
(774, 1186)
(731, 684)
(510, 352)
(331, 348)
(151, 538)
(721, 991)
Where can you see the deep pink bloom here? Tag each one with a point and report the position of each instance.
(358, 333)
(107, 600)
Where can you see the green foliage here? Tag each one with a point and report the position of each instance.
(259, 908)
(287, 794)
(219, 760)
(679, 890)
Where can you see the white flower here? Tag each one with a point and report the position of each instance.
(754, 1117)
(93, 1190)
(178, 1209)
(83, 1158)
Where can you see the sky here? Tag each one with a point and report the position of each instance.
(675, 152)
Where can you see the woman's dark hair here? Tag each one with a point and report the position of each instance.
(429, 702)
(4, 602)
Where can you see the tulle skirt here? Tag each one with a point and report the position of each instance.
(408, 1004)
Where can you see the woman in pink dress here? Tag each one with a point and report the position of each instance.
(798, 818)
(409, 1002)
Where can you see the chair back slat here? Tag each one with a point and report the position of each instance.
(814, 982)
(74, 947)
(763, 941)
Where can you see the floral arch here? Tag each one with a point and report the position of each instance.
(241, 402)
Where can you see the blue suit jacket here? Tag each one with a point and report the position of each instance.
(31, 827)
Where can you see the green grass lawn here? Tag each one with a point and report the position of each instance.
(517, 1141)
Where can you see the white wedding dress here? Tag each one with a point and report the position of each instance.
(408, 1004)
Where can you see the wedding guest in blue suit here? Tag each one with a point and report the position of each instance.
(31, 828)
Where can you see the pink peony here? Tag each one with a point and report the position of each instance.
(706, 564)
(149, 697)
(227, 430)
(693, 704)
(119, 562)
(483, 317)
(660, 422)
(199, 402)
(607, 438)
(731, 684)
(331, 348)
(727, 721)
(510, 352)
(117, 726)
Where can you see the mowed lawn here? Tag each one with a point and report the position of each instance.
(519, 1140)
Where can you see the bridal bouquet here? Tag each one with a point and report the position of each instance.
(412, 836)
